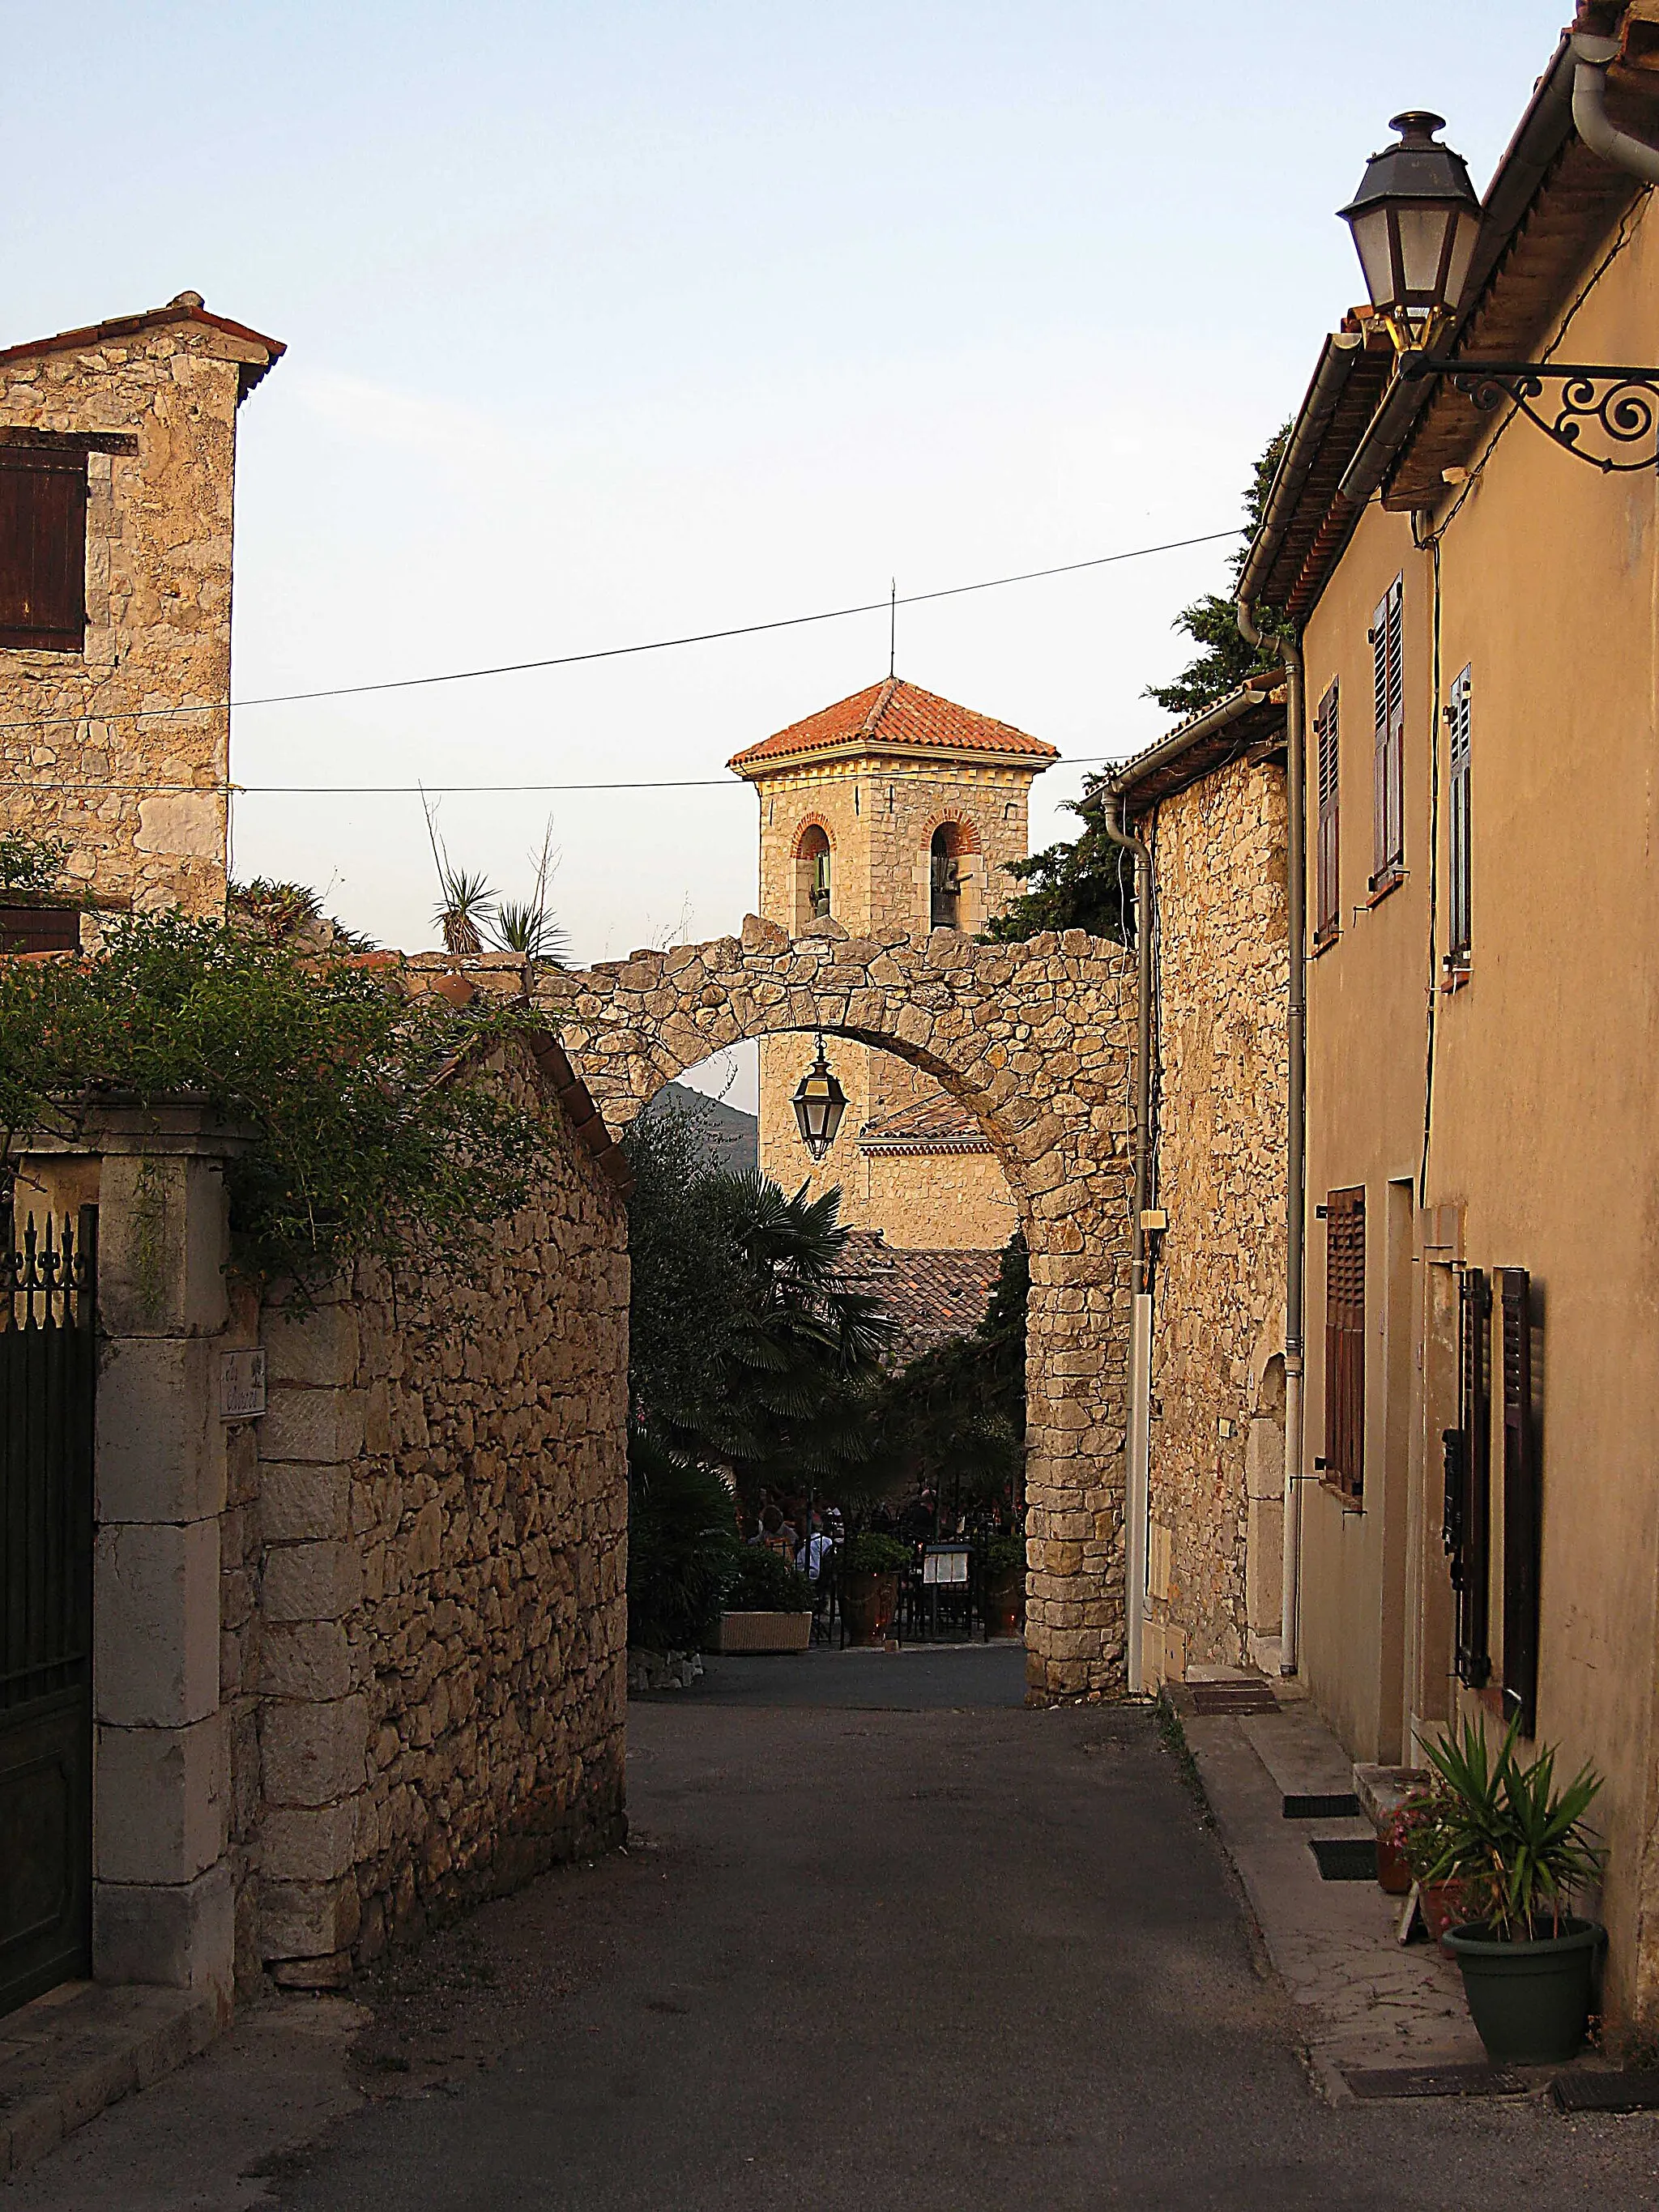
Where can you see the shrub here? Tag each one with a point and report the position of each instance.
(1005, 1555)
(873, 1554)
(1514, 1843)
(681, 1548)
(763, 1582)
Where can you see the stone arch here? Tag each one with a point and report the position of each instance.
(1034, 1039)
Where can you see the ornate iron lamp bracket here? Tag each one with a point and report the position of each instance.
(1617, 405)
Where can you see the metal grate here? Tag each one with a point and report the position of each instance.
(1475, 2081)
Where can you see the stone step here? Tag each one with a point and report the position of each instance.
(83, 2046)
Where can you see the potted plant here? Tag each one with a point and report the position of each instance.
(1004, 1585)
(768, 1604)
(1517, 1847)
(871, 1568)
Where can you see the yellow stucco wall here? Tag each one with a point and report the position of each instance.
(1543, 1129)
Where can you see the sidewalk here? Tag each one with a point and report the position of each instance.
(1366, 2007)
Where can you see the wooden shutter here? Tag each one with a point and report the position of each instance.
(1345, 1341)
(1457, 716)
(1466, 1528)
(43, 549)
(1327, 895)
(1520, 1504)
(1388, 717)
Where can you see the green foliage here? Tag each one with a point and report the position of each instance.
(747, 1351)
(292, 913)
(1004, 1556)
(356, 1149)
(875, 1554)
(521, 927)
(763, 1582)
(31, 864)
(683, 1547)
(1224, 660)
(957, 1415)
(1516, 1843)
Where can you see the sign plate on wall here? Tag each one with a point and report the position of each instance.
(241, 1385)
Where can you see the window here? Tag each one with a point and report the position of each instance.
(944, 879)
(1466, 1522)
(1343, 1463)
(1457, 716)
(1327, 751)
(1520, 1504)
(39, 929)
(1388, 758)
(811, 876)
(43, 547)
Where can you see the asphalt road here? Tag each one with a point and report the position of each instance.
(883, 1938)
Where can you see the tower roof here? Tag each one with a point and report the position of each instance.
(894, 717)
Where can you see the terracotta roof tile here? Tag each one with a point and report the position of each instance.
(929, 1125)
(186, 308)
(933, 1295)
(894, 714)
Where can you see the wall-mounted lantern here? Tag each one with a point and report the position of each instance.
(1415, 220)
(819, 1102)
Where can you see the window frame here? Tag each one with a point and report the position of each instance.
(1387, 637)
(1342, 1467)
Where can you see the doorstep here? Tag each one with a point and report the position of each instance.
(82, 2046)
(1363, 2002)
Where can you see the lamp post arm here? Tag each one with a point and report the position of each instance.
(1591, 55)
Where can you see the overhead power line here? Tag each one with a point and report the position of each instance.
(604, 652)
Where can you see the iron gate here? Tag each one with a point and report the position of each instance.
(47, 1380)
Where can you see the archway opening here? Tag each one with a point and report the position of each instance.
(944, 877)
(813, 869)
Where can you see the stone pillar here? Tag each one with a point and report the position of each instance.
(162, 1903)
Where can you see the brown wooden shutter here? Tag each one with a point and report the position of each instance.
(1388, 726)
(1327, 891)
(1462, 876)
(1345, 1341)
(43, 549)
(1520, 1504)
(1467, 1526)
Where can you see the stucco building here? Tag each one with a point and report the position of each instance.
(894, 810)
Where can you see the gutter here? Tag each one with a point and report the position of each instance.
(1591, 55)
(1337, 363)
(1137, 1484)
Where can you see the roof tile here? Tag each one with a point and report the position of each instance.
(897, 715)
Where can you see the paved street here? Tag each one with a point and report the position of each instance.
(882, 1937)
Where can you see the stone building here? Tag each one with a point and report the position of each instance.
(1208, 801)
(117, 465)
(892, 809)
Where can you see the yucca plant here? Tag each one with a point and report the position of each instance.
(1515, 1842)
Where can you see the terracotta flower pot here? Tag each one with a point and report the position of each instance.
(1393, 1872)
(1442, 1906)
(868, 1603)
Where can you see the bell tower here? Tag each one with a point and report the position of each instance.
(892, 811)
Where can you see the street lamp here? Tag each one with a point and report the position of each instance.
(819, 1102)
(1414, 218)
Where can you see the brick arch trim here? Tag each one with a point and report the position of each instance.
(963, 823)
(809, 822)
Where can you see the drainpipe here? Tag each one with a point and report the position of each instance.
(1138, 1487)
(1589, 110)
(1295, 1164)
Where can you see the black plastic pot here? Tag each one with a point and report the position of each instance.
(1530, 2000)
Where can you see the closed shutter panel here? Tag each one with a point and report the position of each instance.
(1458, 716)
(1327, 896)
(43, 549)
(1345, 1341)
(1389, 728)
(1467, 1527)
(1520, 1504)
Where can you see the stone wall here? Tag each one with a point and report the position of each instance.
(441, 1616)
(1217, 1465)
(160, 393)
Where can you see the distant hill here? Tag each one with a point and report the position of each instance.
(728, 1138)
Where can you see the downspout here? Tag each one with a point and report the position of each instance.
(1592, 54)
(1136, 1488)
(1295, 1165)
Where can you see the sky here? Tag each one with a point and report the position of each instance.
(611, 323)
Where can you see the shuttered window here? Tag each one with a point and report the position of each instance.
(1327, 851)
(43, 548)
(1343, 1463)
(1457, 717)
(1389, 752)
(1521, 1504)
(1466, 1527)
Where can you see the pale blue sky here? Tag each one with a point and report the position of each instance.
(608, 322)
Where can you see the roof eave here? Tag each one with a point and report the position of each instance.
(1191, 751)
(876, 748)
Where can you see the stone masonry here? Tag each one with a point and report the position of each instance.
(426, 1610)
(1216, 1481)
(1035, 1040)
(139, 718)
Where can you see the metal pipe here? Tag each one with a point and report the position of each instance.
(1296, 1160)
(1591, 55)
(1137, 1486)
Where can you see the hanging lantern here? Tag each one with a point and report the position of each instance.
(819, 1102)
(1415, 220)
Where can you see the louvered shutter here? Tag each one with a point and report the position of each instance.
(1467, 1526)
(1327, 895)
(43, 549)
(1388, 729)
(1345, 1341)
(1520, 1504)
(1462, 881)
